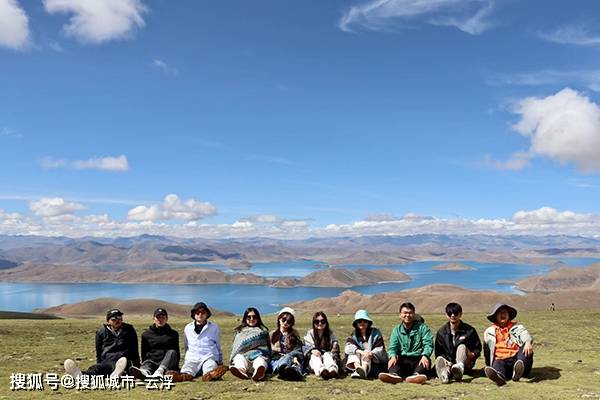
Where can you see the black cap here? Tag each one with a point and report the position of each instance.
(115, 312)
(160, 311)
(199, 306)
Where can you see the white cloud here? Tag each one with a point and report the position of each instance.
(94, 21)
(268, 220)
(470, 16)
(114, 164)
(166, 68)
(564, 127)
(542, 221)
(589, 78)
(173, 208)
(579, 35)
(14, 26)
(50, 162)
(9, 132)
(54, 207)
(549, 215)
(516, 162)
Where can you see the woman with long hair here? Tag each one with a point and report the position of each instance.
(286, 344)
(251, 349)
(321, 348)
(365, 350)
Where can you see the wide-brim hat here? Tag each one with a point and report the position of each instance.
(512, 312)
(361, 314)
(199, 306)
(287, 310)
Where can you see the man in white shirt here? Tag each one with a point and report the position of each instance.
(202, 343)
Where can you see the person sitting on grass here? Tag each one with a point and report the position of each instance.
(457, 346)
(321, 348)
(251, 349)
(411, 344)
(160, 348)
(286, 344)
(116, 348)
(202, 343)
(508, 347)
(365, 350)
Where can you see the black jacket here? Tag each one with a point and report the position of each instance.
(111, 347)
(465, 334)
(157, 341)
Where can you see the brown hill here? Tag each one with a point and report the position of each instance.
(453, 267)
(564, 278)
(69, 273)
(430, 299)
(340, 277)
(143, 307)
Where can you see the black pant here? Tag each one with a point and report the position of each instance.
(105, 367)
(407, 366)
(505, 366)
(169, 362)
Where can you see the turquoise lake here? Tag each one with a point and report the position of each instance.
(235, 298)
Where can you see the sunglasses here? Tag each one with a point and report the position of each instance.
(362, 321)
(251, 316)
(319, 322)
(285, 320)
(451, 313)
(116, 318)
(201, 311)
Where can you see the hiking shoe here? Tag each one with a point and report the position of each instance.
(324, 373)
(333, 373)
(495, 376)
(361, 371)
(417, 378)
(355, 375)
(120, 366)
(71, 368)
(442, 371)
(215, 373)
(179, 376)
(457, 371)
(238, 373)
(259, 374)
(389, 378)
(138, 373)
(294, 374)
(518, 370)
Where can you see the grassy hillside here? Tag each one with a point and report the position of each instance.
(567, 362)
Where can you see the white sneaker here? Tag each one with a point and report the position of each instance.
(442, 370)
(71, 368)
(361, 371)
(457, 370)
(355, 375)
(120, 366)
(160, 371)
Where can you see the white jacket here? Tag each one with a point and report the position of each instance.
(199, 347)
(518, 334)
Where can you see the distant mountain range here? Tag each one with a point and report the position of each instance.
(157, 252)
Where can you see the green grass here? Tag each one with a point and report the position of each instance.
(567, 362)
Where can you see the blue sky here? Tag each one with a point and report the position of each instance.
(291, 119)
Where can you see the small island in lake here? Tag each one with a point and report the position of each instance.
(453, 267)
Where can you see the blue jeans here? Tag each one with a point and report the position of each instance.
(287, 361)
(505, 367)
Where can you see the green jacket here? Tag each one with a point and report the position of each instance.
(416, 342)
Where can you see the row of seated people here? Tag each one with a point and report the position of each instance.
(255, 352)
